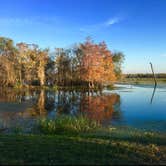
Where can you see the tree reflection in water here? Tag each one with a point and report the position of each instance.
(42, 105)
(95, 106)
(21, 105)
(100, 108)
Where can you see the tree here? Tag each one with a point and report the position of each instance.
(87, 63)
(8, 61)
(97, 65)
(22, 60)
(32, 63)
(118, 58)
(63, 67)
(108, 75)
(50, 72)
(75, 55)
(42, 59)
(28, 62)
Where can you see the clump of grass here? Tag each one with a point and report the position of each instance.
(67, 124)
(18, 85)
(55, 88)
(110, 87)
(17, 130)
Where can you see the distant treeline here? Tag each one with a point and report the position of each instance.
(147, 75)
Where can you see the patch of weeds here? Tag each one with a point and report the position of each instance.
(67, 124)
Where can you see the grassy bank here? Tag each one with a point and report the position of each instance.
(143, 81)
(79, 145)
(82, 149)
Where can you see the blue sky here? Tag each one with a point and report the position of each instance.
(135, 27)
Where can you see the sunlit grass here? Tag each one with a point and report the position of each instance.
(67, 124)
(80, 150)
(80, 141)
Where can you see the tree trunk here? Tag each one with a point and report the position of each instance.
(41, 103)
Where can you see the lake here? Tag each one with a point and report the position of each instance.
(141, 107)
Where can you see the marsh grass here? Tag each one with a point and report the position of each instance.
(67, 124)
(146, 81)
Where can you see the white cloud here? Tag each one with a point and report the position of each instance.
(95, 27)
(112, 21)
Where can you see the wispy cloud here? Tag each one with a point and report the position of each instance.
(14, 21)
(95, 27)
(26, 21)
(112, 21)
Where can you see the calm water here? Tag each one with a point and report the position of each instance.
(136, 106)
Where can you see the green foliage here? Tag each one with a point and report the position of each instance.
(17, 130)
(142, 81)
(118, 59)
(18, 85)
(66, 124)
(146, 76)
(110, 87)
(55, 88)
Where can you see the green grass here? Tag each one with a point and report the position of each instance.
(67, 124)
(141, 81)
(106, 148)
(79, 141)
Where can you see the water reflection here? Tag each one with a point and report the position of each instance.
(154, 90)
(100, 108)
(15, 106)
(117, 107)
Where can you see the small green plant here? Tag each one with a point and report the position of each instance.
(55, 88)
(18, 85)
(17, 130)
(45, 87)
(67, 124)
(110, 87)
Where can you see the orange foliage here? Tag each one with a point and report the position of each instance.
(99, 108)
(97, 64)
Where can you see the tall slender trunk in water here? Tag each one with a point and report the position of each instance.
(41, 102)
(20, 75)
(91, 84)
(153, 74)
(41, 74)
